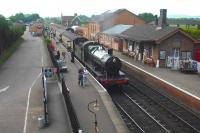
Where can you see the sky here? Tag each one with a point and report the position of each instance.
(50, 8)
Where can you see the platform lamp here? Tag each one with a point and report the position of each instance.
(95, 108)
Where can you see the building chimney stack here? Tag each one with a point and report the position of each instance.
(163, 18)
(156, 20)
(75, 14)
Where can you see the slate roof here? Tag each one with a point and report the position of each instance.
(117, 29)
(147, 32)
(71, 35)
(68, 34)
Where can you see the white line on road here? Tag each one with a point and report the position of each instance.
(29, 93)
(42, 61)
(4, 89)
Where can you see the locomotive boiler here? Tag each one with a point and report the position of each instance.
(106, 62)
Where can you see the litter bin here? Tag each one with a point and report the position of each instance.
(40, 122)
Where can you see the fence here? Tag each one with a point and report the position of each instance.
(46, 117)
(72, 114)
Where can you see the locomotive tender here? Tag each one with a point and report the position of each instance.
(104, 66)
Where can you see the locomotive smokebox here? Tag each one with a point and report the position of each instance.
(113, 65)
(110, 51)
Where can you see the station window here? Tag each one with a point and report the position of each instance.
(162, 54)
(185, 55)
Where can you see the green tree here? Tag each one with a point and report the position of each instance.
(147, 17)
(9, 33)
(4, 31)
(17, 17)
(31, 17)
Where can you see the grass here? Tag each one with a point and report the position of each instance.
(8, 52)
(184, 27)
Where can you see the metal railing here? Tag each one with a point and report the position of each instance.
(46, 115)
(72, 114)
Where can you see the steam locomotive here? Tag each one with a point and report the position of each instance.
(104, 66)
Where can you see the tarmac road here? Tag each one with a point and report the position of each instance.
(17, 77)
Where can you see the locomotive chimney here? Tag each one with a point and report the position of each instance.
(163, 18)
(110, 51)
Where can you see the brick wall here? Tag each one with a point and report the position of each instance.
(178, 40)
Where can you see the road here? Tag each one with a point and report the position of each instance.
(17, 77)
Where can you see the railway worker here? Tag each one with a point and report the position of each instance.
(85, 75)
(80, 76)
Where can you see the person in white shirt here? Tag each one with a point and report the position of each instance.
(85, 75)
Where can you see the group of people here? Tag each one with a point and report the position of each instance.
(82, 72)
(58, 55)
(82, 76)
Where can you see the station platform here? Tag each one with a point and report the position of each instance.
(108, 117)
(184, 87)
(58, 117)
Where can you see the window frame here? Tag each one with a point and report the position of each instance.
(186, 58)
(163, 54)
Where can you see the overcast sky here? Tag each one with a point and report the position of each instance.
(54, 8)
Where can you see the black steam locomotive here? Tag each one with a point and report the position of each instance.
(104, 66)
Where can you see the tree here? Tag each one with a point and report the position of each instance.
(31, 17)
(147, 17)
(9, 32)
(17, 17)
(4, 31)
(25, 18)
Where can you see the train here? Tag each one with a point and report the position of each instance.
(99, 60)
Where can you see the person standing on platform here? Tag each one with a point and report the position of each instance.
(85, 74)
(72, 56)
(58, 55)
(63, 55)
(80, 76)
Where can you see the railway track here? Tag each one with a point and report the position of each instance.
(164, 114)
(136, 117)
(167, 110)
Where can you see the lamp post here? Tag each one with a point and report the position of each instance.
(95, 109)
